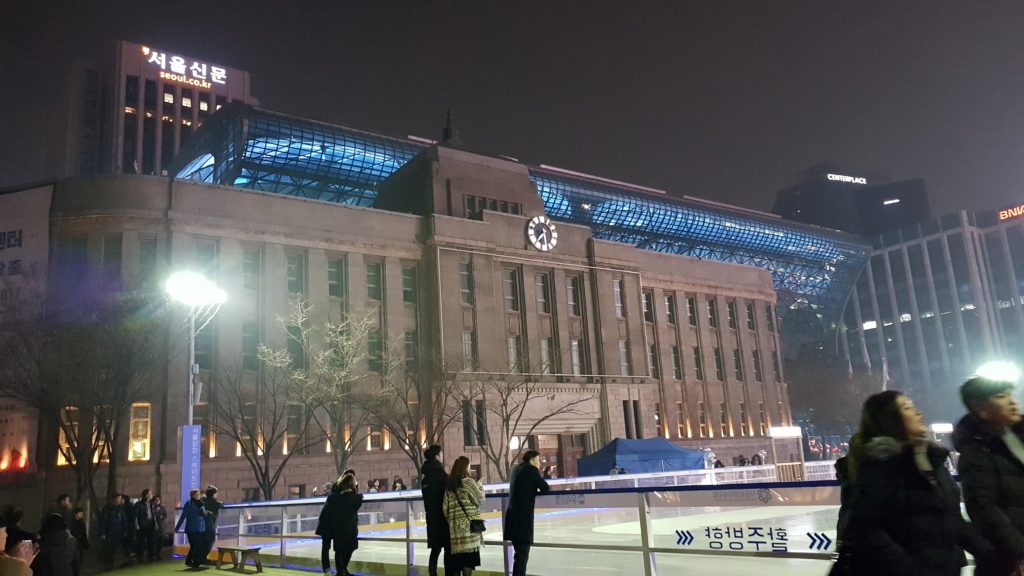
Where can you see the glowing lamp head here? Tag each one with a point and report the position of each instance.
(999, 370)
(193, 289)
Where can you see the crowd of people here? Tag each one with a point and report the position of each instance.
(900, 511)
(134, 529)
(451, 501)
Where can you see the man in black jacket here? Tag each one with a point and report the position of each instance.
(432, 487)
(524, 486)
(991, 466)
(144, 526)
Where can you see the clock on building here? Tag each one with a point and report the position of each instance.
(542, 233)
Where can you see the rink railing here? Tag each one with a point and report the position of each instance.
(654, 520)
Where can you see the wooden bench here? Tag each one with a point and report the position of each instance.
(239, 555)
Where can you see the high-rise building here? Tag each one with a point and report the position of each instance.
(132, 111)
(853, 201)
(937, 300)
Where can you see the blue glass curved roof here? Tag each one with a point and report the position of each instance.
(261, 150)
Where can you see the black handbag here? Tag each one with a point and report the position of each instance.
(476, 525)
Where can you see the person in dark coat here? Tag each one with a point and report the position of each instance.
(78, 530)
(524, 485)
(213, 507)
(432, 487)
(145, 526)
(345, 523)
(193, 516)
(15, 533)
(128, 540)
(58, 550)
(325, 525)
(990, 439)
(904, 514)
(113, 526)
(159, 527)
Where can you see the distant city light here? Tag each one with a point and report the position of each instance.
(869, 325)
(891, 201)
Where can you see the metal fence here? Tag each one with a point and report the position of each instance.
(725, 521)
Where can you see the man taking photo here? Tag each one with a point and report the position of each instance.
(524, 486)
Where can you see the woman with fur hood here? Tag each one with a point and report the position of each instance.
(904, 514)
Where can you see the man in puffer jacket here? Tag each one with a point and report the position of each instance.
(990, 439)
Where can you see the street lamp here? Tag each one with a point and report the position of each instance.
(203, 299)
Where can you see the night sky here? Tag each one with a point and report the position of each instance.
(723, 100)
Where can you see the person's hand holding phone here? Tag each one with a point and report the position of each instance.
(26, 551)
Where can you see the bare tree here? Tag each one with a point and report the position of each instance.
(516, 405)
(80, 363)
(416, 401)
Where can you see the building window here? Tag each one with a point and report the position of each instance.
(637, 422)
(713, 313)
(723, 415)
(677, 364)
(409, 285)
(250, 346)
(469, 358)
(206, 257)
(374, 281)
(775, 366)
(719, 365)
(474, 422)
(546, 347)
(466, 283)
(624, 364)
(169, 97)
(670, 309)
(412, 364)
(543, 282)
(691, 310)
(251, 269)
(375, 351)
(296, 273)
(730, 308)
(296, 347)
(576, 357)
(572, 289)
(627, 419)
(737, 362)
(758, 374)
(204, 347)
(112, 252)
(293, 427)
(762, 418)
(617, 293)
(375, 441)
(511, 283)
(649, 307)
(70, 418)
(147, 257)
(515, 360)
(744, 428)
(698, 364)
(681, 420)
(769, 317)
(336, 277)
(751, 324)
(702, 420)
(652, 357)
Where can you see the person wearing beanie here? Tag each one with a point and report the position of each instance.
(990, 439)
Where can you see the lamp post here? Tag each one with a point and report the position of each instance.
(203, 299)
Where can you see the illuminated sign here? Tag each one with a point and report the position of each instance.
(848, 179)
(1015, 212)
(177, 69)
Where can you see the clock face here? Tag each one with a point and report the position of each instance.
(542, 233)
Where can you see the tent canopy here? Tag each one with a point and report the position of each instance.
(636, 456)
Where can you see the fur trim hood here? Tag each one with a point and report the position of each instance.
(886, 447)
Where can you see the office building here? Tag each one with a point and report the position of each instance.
(937, 300)
(855, 201)
(130, 112)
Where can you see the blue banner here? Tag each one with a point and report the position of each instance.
(191, 458)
